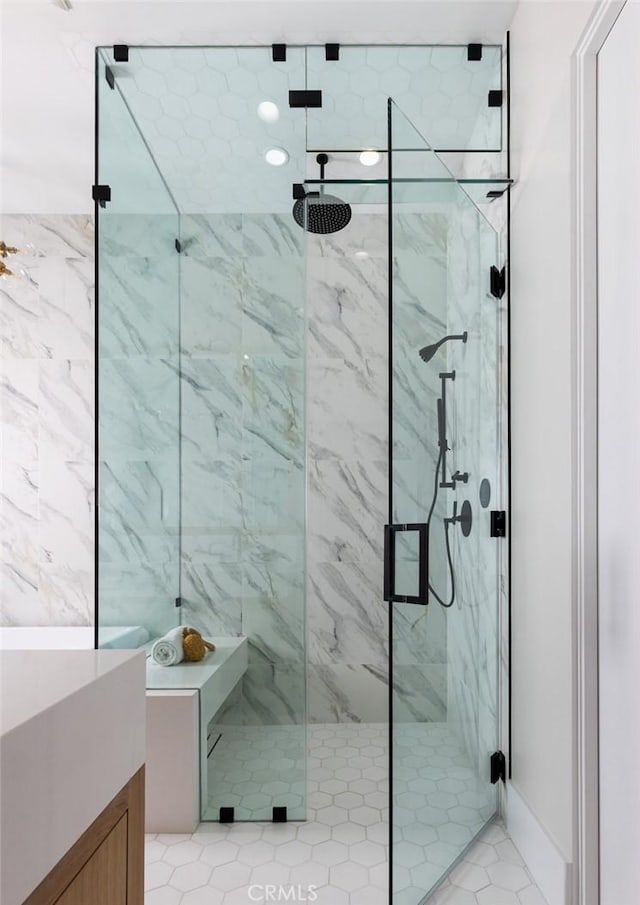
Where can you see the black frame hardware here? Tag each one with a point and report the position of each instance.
(101, 194)
(178, 601)
(299, 193)
(178, 246)
(110, 77)
(498, 765)
(390, 532)
(121, 53)
(498, 523)
(227, 815)
(279, 53)
(279, 815)
(474, 52)
(495, 98)
(331, 52)
(305, 98)
(496, 193)
(498, 282)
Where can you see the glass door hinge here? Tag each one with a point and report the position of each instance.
(498, 282)
(498, 766)
(498, 523)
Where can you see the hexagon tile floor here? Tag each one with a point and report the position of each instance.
(339, 855)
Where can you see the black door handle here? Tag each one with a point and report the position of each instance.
(390, 532)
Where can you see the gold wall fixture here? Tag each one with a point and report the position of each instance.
(5, 251)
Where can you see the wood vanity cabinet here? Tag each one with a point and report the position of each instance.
(106, 865)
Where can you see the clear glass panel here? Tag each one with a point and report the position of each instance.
(407, 558)
(138, 384)
(443, 93)
(445, 423)
(208, 117)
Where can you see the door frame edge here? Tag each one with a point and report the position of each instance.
(584, 305)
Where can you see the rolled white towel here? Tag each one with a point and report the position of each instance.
(168, 650)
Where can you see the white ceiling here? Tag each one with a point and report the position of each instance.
(47, 64)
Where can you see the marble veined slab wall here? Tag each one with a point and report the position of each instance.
(348, 411)
(139, 387)
(46, 415)
(347, 416)
(243, 450)
(419, 319)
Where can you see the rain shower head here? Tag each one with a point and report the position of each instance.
(427, 352)
(319, 212)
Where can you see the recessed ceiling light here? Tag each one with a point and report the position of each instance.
(277, 157)
(370, 158)
(361, 255)
(269, 112)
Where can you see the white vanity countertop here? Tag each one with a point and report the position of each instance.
(72, 734)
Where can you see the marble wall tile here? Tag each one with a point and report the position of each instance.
(273, 597)
(139, 306)
(243, 436)
(212, 598)
(347, 308)
(420, 693)
(139, 594)
(46, 415)
(19, 318)
(347, 508)
(274, 624)
(211, 400)
(366, 232)
(66, 317)
(346, 693)
(56, 235)
(271, 235)
(347, 618)
(145, 235)
(275, 693)
(210, 545)
(273, 306)
(211, 312)
(20, 409)
(211, 494)
(273, 413)
(66, 410)
(20, 539)
(355, 430)
(66, 513)
(139, 406)
(212, 236)
(66, 595)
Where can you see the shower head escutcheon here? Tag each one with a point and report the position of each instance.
(320, 212)
(427, 352)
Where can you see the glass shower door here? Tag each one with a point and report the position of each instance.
(442, 565)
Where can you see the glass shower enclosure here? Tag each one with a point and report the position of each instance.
(446, 475)
(245, 476)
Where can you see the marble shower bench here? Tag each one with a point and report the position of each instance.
(181, 701)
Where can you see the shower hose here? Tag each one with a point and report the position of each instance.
(446, 538)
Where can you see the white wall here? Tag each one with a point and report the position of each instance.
(543, 36)
(619, 454)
